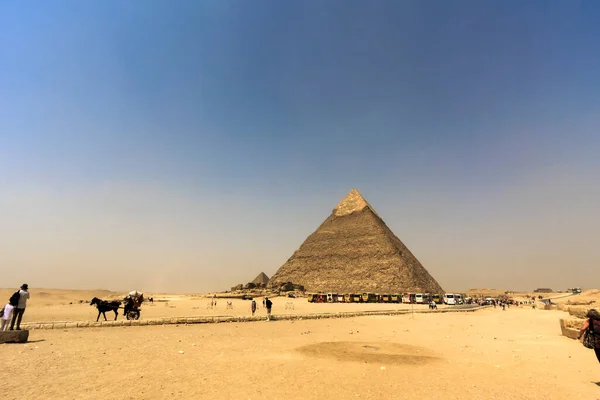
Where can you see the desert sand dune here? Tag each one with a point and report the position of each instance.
(591, 297)
(53, 297)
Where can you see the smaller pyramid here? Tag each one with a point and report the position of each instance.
(262, 278)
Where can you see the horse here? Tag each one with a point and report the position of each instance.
(104, 306)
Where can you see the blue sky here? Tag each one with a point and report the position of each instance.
(191, 145)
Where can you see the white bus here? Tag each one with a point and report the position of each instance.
(449, 299)
(419, 298)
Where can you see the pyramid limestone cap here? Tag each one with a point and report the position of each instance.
(353, 202)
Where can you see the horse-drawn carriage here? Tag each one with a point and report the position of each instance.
(131, 308)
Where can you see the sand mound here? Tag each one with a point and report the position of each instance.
(52, 297)
(371, 352)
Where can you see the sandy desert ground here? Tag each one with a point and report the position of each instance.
(64, 305)
(488, 354)
(54, 305)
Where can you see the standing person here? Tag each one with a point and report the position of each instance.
(20, 309)
(268, 304)
(593, 323)
(7, 313)
(253, 306)
(263, 302)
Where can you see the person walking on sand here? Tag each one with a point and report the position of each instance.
(268, 304)
(20, 309)
(593, 324)
(253, 306)
(6, 316)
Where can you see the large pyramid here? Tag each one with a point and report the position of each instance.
(353, 251)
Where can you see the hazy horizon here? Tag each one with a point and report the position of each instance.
(186, 147)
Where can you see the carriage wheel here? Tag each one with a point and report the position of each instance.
(133, 314)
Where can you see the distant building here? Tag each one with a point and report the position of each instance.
(543, 290)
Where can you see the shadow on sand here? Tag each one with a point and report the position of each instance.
(371, 352)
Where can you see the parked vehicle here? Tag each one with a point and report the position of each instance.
(369, 298)
(437, 299)
(356, 298)
(449, 299)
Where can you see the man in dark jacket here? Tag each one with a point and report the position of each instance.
(269, 304)
(20, 308)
